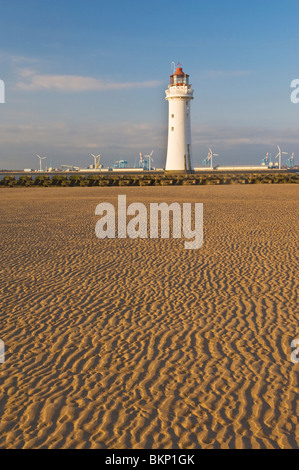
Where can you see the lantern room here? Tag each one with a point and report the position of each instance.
(179, 78)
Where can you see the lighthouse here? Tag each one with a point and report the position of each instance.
(179, 96)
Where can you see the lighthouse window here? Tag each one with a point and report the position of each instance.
(172, 115)
(172, 128)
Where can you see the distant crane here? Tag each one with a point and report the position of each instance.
(290, 161)
(145, 161)
(40, 161)
(97, 159)
(266, 160)
(120, 164)
(139, 163)
(279, 156)
(209, 159)
(141, 160)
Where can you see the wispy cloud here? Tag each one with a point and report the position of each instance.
(78, 136)
(136, 136)
(72, 143)
(224, 73)
(22, 60)
(237, 136)
(33, 81)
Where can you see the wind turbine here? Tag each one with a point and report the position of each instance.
(279, 156)
(151, 161)
(40, 162)
(149, 157)
(96, 162)
(209, 158)
(213, 155)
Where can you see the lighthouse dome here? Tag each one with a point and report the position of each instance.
(179, 78)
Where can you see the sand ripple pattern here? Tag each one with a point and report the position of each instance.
(143, 344)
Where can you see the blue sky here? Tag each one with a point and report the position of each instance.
(90, 76)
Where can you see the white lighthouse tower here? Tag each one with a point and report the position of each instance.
(179, 95)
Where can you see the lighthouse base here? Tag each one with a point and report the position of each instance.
(178, 172)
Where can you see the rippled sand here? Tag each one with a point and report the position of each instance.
(143, 344)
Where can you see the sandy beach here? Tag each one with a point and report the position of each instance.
(131, 344)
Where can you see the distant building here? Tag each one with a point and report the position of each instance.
(120, 164)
